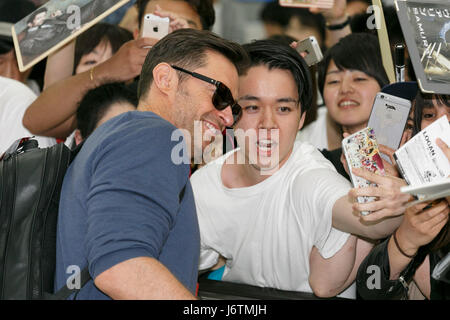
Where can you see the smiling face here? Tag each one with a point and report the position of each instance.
(101, 53)
(270, 118)
(349, 96)
(193, 100)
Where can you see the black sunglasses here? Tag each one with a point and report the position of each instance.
(222, 97)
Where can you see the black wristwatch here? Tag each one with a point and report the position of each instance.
(338, 26)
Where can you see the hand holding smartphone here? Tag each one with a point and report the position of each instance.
(361, 151)
(155, 27)
(388, 120)
(310, 46)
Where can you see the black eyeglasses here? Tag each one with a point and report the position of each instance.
(222, 97)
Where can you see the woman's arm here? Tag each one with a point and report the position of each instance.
(53, 112)
(334, 16)
(59, 65)
(379, 275)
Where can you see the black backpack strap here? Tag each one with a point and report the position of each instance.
(65, 292)
(75, 151)
(181, 194)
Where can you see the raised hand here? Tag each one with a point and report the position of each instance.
(390, 200)
(419, 227)
(127, 63)
(175, 21)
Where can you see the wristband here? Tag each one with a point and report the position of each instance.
(338, 26)
(400, 249)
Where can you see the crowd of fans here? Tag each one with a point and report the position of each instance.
(277, 211)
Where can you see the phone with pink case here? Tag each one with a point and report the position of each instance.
(361, 151)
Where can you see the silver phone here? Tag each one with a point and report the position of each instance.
(155, 27)
(311, 47)
(388, 119)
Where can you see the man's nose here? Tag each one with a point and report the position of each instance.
(226, 117)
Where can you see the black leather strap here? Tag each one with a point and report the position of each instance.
(65, 292)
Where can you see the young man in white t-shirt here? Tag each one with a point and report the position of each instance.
(268, 208)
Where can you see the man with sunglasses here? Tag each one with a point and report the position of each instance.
(268, 210)
(127, 209)
(54, 111)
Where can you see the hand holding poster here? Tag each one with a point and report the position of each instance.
(54, 24)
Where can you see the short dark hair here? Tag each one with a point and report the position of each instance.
(276, 55)
(204, 8)
(356, 51)
(98, 101)
(187, 48)
(88, 40)
(273, 12)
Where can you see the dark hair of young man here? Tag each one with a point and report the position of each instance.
(187, 48)
(90, 39)
(357, 51)
(204, 8)
(98, 101)
(276, 55)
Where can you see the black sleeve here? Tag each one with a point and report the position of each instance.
(372, 279)
(440, 290)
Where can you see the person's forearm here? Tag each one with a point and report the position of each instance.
(333, 36)
(329, 277)
(59, 65)
(398, 261)
(363, 248)
(345, 220)
(58, 105)
(141, 278)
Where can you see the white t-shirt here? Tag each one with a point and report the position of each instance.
(316, 132)
(15, 98)
(266, 231)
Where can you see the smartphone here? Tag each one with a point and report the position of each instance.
(325, 4)
(388, 119)
(312, 49)
(361, 151)
(155, 27)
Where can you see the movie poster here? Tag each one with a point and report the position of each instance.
(54, 24)
(431, 27)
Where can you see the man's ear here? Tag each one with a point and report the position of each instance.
(302, 121)
(165, 78)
